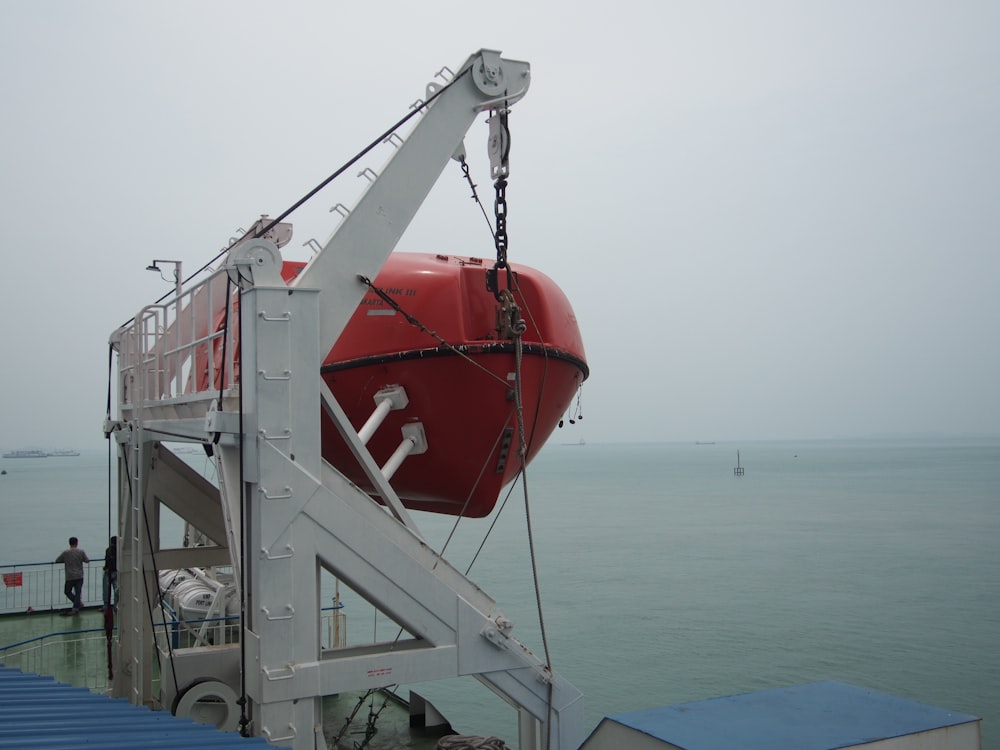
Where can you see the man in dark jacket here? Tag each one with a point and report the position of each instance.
(111, 573)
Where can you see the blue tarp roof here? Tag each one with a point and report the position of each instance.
(38, 713)
(818, 716)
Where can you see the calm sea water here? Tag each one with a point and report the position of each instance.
(665, 579)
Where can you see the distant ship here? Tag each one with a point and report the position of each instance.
(35, 453)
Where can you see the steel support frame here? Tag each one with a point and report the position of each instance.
(302, 515)
(289, 515)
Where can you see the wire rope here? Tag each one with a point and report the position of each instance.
(326, 181)
(468, 497)
(433, 334)
(245, 719)
(518, 328)
(111, 355)
(523, 442)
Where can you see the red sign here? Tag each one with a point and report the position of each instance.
(13, 579)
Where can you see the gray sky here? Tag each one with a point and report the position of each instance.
(773, 219)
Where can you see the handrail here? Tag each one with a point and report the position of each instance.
(166, 626)
(39, 586)
(37, 564)
(45, 636)
(173, 350)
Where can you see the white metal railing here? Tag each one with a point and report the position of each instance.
(214, 631)
(30, 587)
(174, 349)
(78, 658)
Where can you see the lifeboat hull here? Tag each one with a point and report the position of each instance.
(460, 382)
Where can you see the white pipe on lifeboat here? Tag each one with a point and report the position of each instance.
(386, 400)
(414, 441)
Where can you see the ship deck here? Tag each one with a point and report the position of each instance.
(73, 650)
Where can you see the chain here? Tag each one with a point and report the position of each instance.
(500, 211)
(499, 155)
(499, 147)
(500, 239)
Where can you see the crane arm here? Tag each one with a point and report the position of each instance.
(368, 234)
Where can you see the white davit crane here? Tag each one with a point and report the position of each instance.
(281, 514)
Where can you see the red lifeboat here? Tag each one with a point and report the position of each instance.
(460, 391)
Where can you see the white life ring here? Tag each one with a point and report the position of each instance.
(209, 701)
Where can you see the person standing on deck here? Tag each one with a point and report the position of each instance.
(110, 585)
(73, 559)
